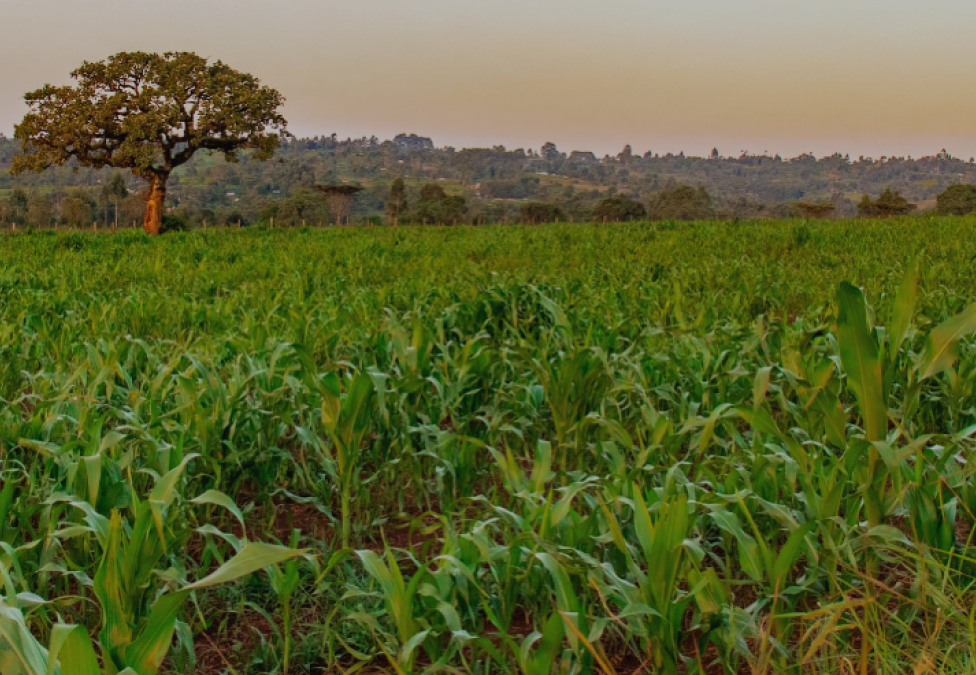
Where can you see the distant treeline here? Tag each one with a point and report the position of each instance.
(483, 185)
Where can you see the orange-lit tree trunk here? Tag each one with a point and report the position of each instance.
(155, 199)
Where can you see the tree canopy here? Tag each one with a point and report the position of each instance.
(396, 202)
(438, 207)
(535, 213)
(888, 204)
(148, 113)
(681, 202)
(957, 200)
(619, 208)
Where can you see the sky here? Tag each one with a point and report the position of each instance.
(864, 77)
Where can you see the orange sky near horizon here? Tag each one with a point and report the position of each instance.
(868, 77)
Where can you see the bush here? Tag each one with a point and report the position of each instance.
(174, 223)
(534, 213)
(619, 209)
(682, 202)
(957, 200)
(437, 207)
(235, 219)
(885, 206)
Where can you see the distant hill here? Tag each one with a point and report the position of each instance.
(496, 182)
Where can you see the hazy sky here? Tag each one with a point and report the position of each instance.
(860, 76)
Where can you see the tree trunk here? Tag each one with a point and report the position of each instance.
(154, 205)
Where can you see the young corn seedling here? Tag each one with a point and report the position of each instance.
(137, 631)
(348, 421)
(650, 593)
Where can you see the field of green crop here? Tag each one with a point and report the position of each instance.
(658, 448)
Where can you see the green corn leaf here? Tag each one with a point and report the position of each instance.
(834, 419)
(98, 523)
(376, 568)
(749, 555)
(146, 654)
(93, 472)
(331, 405)
(59, 635)
(251, 558)
(942, 344)
(6, 500)
(218, 498)
(903, 309)
(760, 386)
(20, 654)
(542, 662)
(165, 488)
(562, 587)
(788, 555)
(77, 654)
(116, 630)
(354, 417)
(405, 659)
(226, 536)
(859, 354)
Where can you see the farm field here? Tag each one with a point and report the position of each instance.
(663, 448)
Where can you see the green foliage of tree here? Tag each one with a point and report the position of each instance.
(522, 188)
(535, 213)
(40, 211)
(619, 209)
(148, 113)
(304, 207)
(432, 192)
(956, 200)
(436, 207)
(682, 202)
(888, 204)
(396, 203)
(13, 210)
(492, 179)
(76, 209)
(113, 192)
(174, 223)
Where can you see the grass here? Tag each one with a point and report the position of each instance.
(696, 448)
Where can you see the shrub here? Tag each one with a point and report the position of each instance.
(619, 209)
(539, 212)
(885, 206)
(174, 223)
(957, 200)
(682, 202)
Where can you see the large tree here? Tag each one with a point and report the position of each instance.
(149, 113)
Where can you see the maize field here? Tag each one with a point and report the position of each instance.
(639, 448)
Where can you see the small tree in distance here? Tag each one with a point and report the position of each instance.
(113, 192)
(535, 213)
(619, 209)
(681, 202)
(396, 203)
(149, 113)
(956, 200)
(436, 207)
(888, 204)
